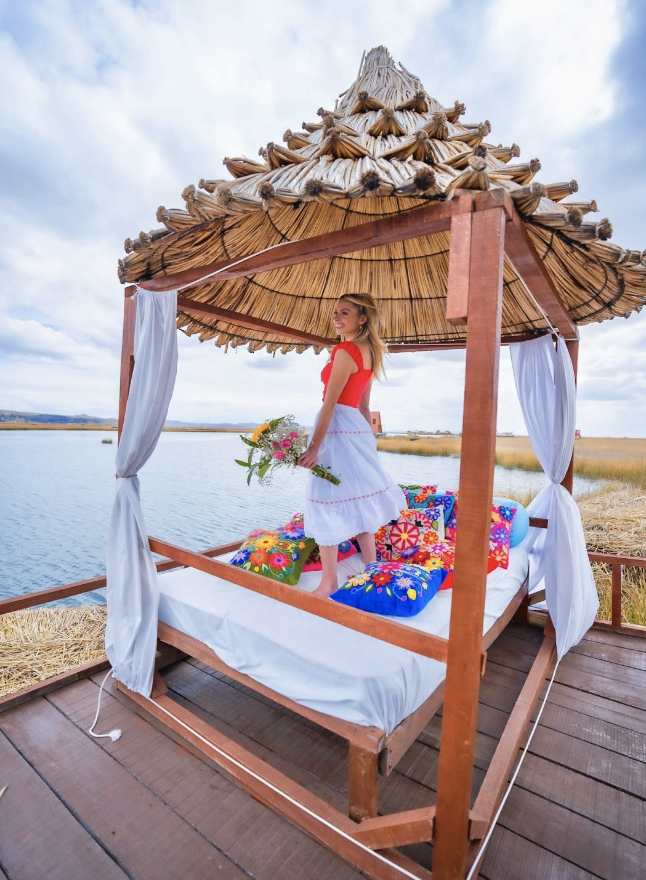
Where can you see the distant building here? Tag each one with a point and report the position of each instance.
(376, 423)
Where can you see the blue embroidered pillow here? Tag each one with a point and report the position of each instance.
(392, 588)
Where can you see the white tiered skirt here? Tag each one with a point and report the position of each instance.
(367, 497)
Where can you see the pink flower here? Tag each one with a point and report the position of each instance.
(286, 443)
(293, 434)
(276, 444)
(279, 455)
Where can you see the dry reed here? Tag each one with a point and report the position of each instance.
(38, 643)
(598, 458)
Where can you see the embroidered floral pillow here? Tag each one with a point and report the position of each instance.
(422, 499)
(393, 588)
(313, 563)
(276, 554)
(418, 496)
(400, 538)
(442, 555)
(502, 518)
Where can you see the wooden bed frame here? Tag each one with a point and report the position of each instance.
(484, 228)
(372, 752)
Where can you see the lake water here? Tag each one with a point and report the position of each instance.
(57, 489)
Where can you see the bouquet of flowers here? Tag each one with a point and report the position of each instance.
(279, 442)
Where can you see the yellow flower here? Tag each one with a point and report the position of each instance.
(260, 430)
(267, 542)
(411, 593)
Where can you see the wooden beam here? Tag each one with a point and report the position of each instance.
(428, 220)
(363, 784)
(637, 561)
(573, 348)
(538, 522)
(251, 323)
(269, 786)
(524, 257)
(52, 594)
(484, 266)
(53, 683)
(370, 738)
(127, 358)
(506, 753)
(457, 291)
(397, 829)
(361, 621)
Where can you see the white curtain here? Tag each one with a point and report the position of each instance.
(133, 591)
(547, 393)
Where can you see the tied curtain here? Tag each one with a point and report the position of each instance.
(558, 555)
(133, 591)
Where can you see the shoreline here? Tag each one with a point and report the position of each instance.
(53, 426)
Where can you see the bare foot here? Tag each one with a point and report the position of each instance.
(325, 590)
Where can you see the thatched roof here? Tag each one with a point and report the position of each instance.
(387, 146)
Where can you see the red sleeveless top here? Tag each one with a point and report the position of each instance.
(357, 382)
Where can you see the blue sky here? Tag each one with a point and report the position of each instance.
(112, 108)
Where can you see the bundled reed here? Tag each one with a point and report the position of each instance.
(386, 146)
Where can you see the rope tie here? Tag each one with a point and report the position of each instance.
(113, 734)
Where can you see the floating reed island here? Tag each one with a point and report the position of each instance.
(384, 147)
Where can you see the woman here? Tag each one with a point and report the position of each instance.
(343, 440)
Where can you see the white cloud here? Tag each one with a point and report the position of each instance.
(101, 125)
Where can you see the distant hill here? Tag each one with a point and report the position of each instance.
(50, 419)
(28, 418)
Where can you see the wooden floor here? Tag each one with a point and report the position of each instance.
(147, 807)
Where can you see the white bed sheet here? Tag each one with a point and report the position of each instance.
(314, 661)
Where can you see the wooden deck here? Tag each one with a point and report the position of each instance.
(148, 807)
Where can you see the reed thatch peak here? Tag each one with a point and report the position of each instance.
(384, 147)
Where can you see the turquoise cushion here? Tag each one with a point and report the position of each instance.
(392, 588)
(520, 523)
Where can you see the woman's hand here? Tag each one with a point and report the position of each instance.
(309, 458)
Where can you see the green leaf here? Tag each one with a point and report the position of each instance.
(241, 463)
(389, 592)
(264, 467)
(249, 442)
(369, 588)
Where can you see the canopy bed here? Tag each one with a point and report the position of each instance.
(388, 192)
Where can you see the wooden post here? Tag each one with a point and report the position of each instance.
(484, 265)
(127, 356)
(573, 348)
(363, 783)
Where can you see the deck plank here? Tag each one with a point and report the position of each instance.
(577, 811)
(513, 857)
(254, 837)
(579, 840)
(134, 825)
(39, 836)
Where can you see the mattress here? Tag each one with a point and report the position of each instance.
(313, 661)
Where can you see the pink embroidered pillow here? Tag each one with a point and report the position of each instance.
(313, 562)
(502, 518)
(442, 555)
(402, 537)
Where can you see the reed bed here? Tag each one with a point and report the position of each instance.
(598, 458)
(38, 643)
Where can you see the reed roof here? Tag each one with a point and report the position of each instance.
(384, 148)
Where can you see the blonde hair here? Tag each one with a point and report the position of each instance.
(369, 331)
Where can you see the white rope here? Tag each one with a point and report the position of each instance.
(287, 797)
(476, 864)
(113, 734)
